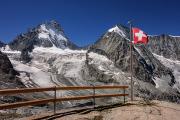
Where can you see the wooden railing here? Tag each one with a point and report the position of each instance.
(55, 99)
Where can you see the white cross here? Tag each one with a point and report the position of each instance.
(140, 35)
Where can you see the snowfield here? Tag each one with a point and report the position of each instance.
(56, 50)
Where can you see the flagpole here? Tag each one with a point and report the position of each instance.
(131, 58)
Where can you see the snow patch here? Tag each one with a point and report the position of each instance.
(173, 65)
(7, 50)
(160, 35)
(173, 36)
(98, 57)
(43, 35)
(56, 50)
(117, 30)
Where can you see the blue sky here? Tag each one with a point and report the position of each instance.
(84, 21)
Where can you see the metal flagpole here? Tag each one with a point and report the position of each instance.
(131, 58)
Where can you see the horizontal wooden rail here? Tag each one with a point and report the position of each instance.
(54, 100)
(26, 103)
(89, 96)
(90, 87)
(30, 90)
(25, 90)
(44, 101)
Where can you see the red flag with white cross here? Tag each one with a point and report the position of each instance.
(139, 36)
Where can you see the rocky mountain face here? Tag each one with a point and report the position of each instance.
(165, 45)
(146, 68)
(48, 34)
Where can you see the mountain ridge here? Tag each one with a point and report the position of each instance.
(47, 34)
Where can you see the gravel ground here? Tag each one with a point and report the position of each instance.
(137, 110)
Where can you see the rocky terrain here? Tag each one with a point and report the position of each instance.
(139, 111)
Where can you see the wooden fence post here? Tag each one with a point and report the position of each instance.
(54, 99)
(124, 95)
(94, 101)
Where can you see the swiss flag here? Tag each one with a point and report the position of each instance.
(139, 36)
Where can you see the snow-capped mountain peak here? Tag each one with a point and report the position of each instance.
(119, 29)
(48, 34)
